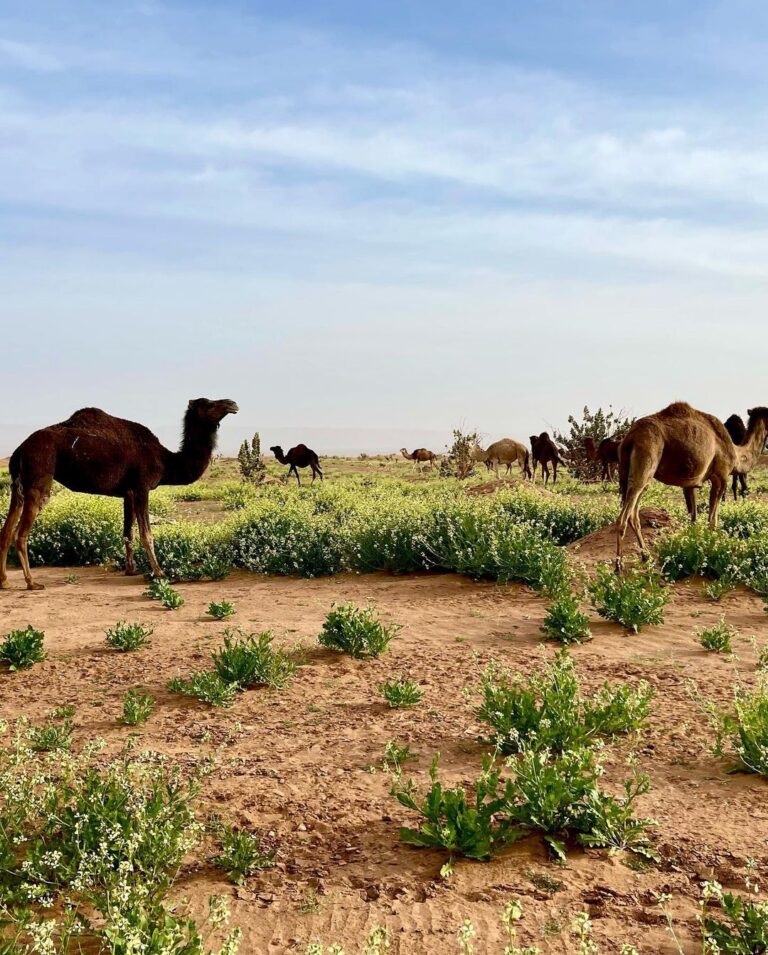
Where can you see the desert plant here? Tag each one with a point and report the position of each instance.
(453, 821)
(596, 425)
(715, 590)
(744, 727)
(206, 686)
(547, 710)
(128, 636)
(717, 639)
(221, 610)
(137, 707)
(250, 660)
(564, 621)
(241, 853)
(356, 631)
(401, 692)
(21, 649)
(739, 926)
(634, 599)
(160, 589)
(250, 461)
(395, 755)
(52, 735)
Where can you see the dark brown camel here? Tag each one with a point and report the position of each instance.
(738, 431)
(95, 453)
(606, 454)
(545, 452)
(420, 456)
(299, 457)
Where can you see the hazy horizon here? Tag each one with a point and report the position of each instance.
(367, 217)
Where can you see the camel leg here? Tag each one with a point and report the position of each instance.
(554, 472)
(715, 494)
(128, 519)
(34, 500)
(545, 472)
(689, 493)
(630, 516)
(296, 472)
(636, 524)
(9, 530)
(744, 485)
(141, 507)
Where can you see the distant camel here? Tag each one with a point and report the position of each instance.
(508, 451)
(684, 448)
(606, 453)
(299, 457)
(738, 432)
(545, 452)
(96, 453)
(419, 456)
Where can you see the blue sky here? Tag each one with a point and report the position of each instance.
(369, 223)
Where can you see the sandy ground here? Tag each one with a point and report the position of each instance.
(296, 766)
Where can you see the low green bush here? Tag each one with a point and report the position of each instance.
(742, 731)
(221, 610)
(137, 707)
(241, 853)
(206, 686)
(547, 710)
(247, 660)
(565, 621)
(52, 735)
(128, 636)
(401, 692)
(717, 639)
(356, 631)
(160, 589)
(634, 599)
(21, 649)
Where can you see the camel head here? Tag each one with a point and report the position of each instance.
(276, 449)
(211, 411)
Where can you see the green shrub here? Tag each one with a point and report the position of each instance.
(78, 835)
(160, 589)
(52, 735)
(634, 599)
(356, 631)
(189, 551)
(462, 825)
(137, 707)
(744, 728)
(547, 710)
(21, 649)
(401, 692)
(557, 796)
(716, 589)
(717, 638)
(221, 610)
(740, 925)
(249, 660)
(128, 636)
(241, 854)
(206, 686)
(564, 621)
(395, 755)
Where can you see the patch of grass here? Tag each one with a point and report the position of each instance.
(739, 926)
(249, 660)
(401, 692)
(160, 589)
(221, 610)
(715, 590)
(137, 707)
(564, 621)
(21, 649)
(206, 686)
(743, 730)
(634, 599)
(356, 631)
(546, 710)
(241, 854)
(128, 636)
(717, 639)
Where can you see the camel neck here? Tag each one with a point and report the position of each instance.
(752, 447)
(193, 457)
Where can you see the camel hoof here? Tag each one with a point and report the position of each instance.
(130, 571)
(33, 586)
(4, 585)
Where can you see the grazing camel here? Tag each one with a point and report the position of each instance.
(606, 454)
(299, 457)
(681, 447)
(95, 453)
(478, 454)
(545, 452)
(419, 456)
(508, 451)
(738, 432)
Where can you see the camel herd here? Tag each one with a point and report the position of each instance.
(96, 453)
